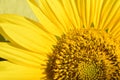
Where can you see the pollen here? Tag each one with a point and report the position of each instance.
(84, 54)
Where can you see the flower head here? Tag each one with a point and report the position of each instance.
(72, 40)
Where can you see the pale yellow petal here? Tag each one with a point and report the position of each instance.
(44, 20)
(20, 56)
(10, 71)
(20, 31)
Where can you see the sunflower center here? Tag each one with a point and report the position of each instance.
(85, 54)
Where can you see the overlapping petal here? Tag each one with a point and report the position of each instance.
(21, 56)
(109, 13)
(10, 71)
(43, 19)
(23, 32)
(72, 12)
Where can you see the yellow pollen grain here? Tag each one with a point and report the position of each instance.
(84, 54)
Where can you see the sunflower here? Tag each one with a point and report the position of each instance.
(72, 40)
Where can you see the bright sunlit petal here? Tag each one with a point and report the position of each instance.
(43, 19)
(20, 56)
(10, 71)
(24, 33)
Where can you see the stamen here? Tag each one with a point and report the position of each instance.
(85, 54)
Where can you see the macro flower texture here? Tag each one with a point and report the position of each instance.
(72, 40)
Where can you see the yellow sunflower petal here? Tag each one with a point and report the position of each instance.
(116, 31)
(113, 14)
(109, 10)
(114, 21)
(81, 9)
(72, 12)
(98, 4)
(44, 20)
(20, 56)
(60, 12)
(48, 12)
(20, 31)
(84, 8)
(87, 8)
(9, 71)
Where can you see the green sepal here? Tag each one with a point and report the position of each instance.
(106, 30)
(2, 39)
(92, 24)
(57, 37)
